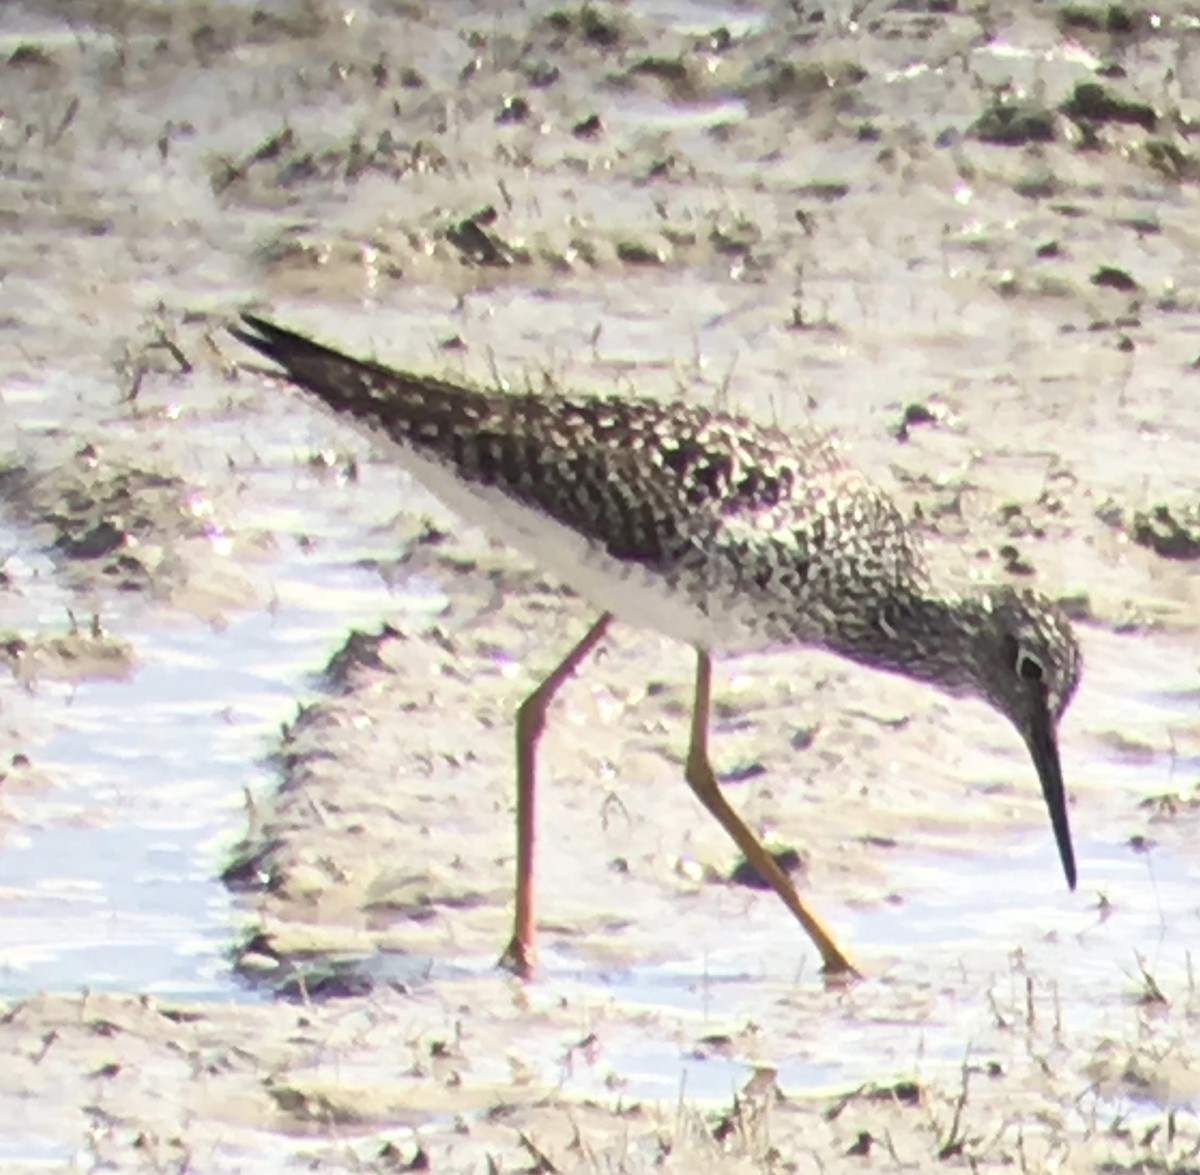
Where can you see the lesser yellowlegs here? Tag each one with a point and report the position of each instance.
(715, 531)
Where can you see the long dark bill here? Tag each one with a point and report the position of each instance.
(1043, 746)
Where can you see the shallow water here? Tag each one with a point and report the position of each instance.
(896, 293)
(112, 882)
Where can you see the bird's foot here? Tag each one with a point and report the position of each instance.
(519, 958)
(838, 971)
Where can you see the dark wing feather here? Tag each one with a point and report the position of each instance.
(649, 481)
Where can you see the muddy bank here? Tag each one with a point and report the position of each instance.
(549, 1080)
(964, 241)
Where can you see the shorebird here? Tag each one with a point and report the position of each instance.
(716, 531)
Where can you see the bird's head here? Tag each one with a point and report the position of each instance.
(1026, 655)
(1026, 662)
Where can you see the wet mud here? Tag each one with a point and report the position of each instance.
(256, 782)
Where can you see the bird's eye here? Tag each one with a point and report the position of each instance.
(1029, 668)
(1025, 665)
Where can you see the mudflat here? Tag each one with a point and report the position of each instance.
(256, 835)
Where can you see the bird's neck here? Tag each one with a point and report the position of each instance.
(917, 635)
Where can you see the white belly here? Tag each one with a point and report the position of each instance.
(628, 591)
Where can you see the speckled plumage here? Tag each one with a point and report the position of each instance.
(767, 538)
(710, 528)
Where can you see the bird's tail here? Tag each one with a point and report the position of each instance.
(341, 381)
(410, 408)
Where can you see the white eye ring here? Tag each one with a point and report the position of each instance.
(1029, 667)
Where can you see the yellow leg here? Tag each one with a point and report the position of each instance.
(520, 956)
(703, 782)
